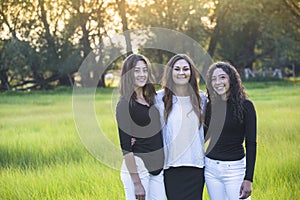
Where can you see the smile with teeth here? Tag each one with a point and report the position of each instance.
(181, 76)
(141, 79)
(220, 87)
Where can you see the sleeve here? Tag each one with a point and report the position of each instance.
(207, 117)
(250, 137)
(124, 126)
(203, 103)
(159, 104)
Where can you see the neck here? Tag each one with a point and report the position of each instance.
(139, 92)
(181, 90)
(224, 97)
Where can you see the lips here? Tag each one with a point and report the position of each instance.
(141, 79)
(220, 88)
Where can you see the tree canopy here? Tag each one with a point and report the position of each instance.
(44, 42)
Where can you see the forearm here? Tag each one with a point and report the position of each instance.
(139, 190)
(131, 166)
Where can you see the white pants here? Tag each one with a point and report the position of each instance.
(224, 178)
(153, 185)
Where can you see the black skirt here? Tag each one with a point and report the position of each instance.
(184, 183)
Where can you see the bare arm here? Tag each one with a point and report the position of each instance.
(131, 166)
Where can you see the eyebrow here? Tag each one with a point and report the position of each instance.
(183, 66)
(141, 66)
(220, 75)
(214, 76)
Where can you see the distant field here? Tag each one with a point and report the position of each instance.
(43, 157)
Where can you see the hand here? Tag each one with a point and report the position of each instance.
(246, 189)
(139, 191)
(133, 140)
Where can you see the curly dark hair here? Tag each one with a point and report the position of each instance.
(168, 85)
(237, 93)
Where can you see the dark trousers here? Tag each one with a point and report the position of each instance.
(184, 183)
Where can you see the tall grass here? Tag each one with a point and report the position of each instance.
(278, 159)
(42, 156)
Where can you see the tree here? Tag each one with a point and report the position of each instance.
(60, 33)
(246, 33)
(89, 22)
(181, 16)
(122, 8)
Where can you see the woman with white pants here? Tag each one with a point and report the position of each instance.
(153, 184)
(230, 122)
(140, 132)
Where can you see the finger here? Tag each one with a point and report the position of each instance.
(245, 195)
(241, 190)
(242, 195)
(141, 197)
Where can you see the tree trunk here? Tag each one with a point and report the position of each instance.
(220, 18)
(49, 38)
(4, 84)
(213, 41)
(122, 12)
(85, 41)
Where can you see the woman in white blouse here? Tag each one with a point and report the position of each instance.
(181, 106)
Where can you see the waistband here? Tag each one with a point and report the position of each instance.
(212, 161)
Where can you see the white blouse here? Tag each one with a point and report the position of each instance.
(182, 136)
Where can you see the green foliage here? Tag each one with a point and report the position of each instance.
(256, 33)
(54, 36)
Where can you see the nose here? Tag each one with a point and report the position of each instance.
(141, 73)
(181, 71)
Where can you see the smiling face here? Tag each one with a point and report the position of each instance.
(140, 74)
(181, 72)
(220, 82)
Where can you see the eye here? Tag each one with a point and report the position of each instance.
(176, 68)
(186, 69)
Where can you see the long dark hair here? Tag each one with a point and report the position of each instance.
(236, 89)
(126, 86)
(168, 85)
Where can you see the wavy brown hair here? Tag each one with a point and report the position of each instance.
(126, 86)
(168, 85)
(236, 89)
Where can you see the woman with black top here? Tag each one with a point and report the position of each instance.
(140, 132)
(231, 121)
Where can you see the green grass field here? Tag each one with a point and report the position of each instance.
(43, 157)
